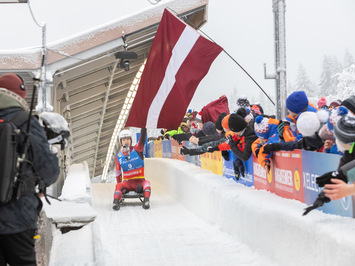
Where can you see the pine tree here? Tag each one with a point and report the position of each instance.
(232, 100)
(329, 76)
(346, 85)
(348, 59)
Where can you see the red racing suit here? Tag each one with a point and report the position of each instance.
(129, 170)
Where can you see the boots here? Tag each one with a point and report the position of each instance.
(146, 205)
(116, 204)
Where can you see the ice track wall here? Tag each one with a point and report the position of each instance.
(269, 224)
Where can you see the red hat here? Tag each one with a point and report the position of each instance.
(14, 83)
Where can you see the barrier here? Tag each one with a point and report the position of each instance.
(292, 176)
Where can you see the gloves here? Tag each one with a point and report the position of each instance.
(231, 141)
(184, 150)
(312, 143)
(225, 155)
(325, 178)
(167, 136)
(257, 152)
(268, 148)
(280, 128)
(238, 168)
(319, 202)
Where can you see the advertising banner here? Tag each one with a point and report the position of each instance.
(150, 149)
(263, 180)
(175, 150)
(315, 164)
(288, 174)
(158, 152)
(191, 159)
(213, 162)
(166, 148)
(228, 170)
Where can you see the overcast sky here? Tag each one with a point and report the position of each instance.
(244, 28)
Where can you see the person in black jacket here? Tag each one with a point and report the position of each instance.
(18, 217)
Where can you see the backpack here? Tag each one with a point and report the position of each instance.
(9, 147)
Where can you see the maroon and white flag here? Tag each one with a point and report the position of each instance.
(178, 60)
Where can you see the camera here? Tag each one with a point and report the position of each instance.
(124, 56)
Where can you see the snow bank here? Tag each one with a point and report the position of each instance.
(269, 224)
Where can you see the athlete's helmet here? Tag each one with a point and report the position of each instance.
(125, 134)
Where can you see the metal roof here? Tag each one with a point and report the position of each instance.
(89, 88)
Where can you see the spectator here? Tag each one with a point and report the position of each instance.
(350, 104)
(18, 217)
(322, 103)
(266, 130)
(183, 128)
(334, 104)
(210, 134)
(296, 103)
(242, 102)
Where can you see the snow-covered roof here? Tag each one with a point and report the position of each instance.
(89, 88)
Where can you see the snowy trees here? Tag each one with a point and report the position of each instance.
(330, 68)
(303, 83)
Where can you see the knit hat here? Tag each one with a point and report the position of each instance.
(322, 101)
(236, 123)
(335, 103)
(344, 129)
(209, 128)
(225, 122)
(308, 123)
(219, 121)
(242, 102)
(266, 128)
(297, 101)
(14, 83)
(335, 115)
(349, 103)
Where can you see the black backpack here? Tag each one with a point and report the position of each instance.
(9, 157)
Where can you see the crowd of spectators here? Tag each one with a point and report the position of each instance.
(248, 130)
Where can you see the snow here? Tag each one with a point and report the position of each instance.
(199, 218)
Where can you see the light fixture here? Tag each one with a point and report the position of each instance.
(125, 55)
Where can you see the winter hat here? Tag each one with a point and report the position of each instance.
(242, 102)
(257, 109)
(219, 121)
(13, 83)
(266, 128)
(209, 128)
(350, 103)
(335, 115)
(225, 122)
(344, 129)
(236, 123)
(308, 123)
(335, 103)
(322, 101)
(297, 101)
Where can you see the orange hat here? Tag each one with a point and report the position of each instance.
(225, 122)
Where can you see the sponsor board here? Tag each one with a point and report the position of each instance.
(166, 148)
(175, 150)
(288, 174)
(150, 149)
(158, 151)
(228, 170)
(315, 164)
(213, 162)
(263, 180)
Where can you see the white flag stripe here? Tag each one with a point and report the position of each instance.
(181, 50)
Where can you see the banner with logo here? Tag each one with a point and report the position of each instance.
(195, 159)
(166, 148)
(213, 162)
(314, 165)
(288, 174)
(175, 151)
(228, 170)
(263, 180)
(150, 149)
(158, 151)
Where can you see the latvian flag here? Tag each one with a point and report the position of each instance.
(178, 60)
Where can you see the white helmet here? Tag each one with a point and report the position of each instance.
(125, 134)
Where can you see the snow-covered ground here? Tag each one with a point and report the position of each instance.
(198, 218)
